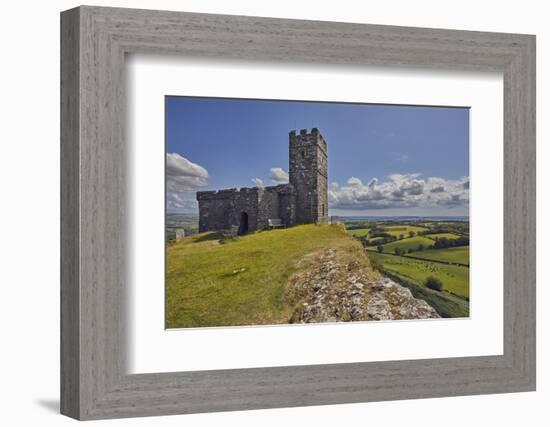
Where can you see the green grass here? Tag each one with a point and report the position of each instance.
(449, 236)
(373, 242)
(241, 282)
(396, 230)
(406, 244)
(456, 279)
(359, 232)
(459, 254)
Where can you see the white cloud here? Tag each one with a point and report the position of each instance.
(258, 182)
(414, 187)
(184, 175)
(399, 191)
(278, 176)
(181, 202)
(355, 182)
(183, 179)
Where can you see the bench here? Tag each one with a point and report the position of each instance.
(275, 223)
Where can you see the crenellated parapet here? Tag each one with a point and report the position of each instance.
(305, 138)
(227, 193)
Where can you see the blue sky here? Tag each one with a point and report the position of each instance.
(383, 159)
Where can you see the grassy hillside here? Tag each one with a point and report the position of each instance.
(459, 254)
(241, 281)
(455, 279)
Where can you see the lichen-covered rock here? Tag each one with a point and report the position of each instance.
(330, 290)
(389, 301)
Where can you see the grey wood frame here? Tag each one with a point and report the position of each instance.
(94, 382)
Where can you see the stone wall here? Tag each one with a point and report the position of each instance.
(287, 204)
(268, 206)
(219, 210)
(223, 209)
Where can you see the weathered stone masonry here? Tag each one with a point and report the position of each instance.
(303, 200)
(308, 175)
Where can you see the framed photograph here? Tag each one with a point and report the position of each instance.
(262, 213)
(290, 246)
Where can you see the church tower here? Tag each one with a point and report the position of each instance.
(308, 174)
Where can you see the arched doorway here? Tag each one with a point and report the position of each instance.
(243, 224)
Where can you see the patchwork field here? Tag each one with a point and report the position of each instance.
(397, 230)
(460, 254)
(436, 249)
(359, 232)
(405, 244)
(449, 236)
(455, 279)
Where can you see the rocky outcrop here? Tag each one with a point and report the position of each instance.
(331, 288)
(389, 301)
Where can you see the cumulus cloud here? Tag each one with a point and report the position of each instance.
(183, 179)
(278, 176)
(258, 182)
(415, 187)
(184, 175)
(181, 202)
(355, 182)
(399, 191)
(453, 200)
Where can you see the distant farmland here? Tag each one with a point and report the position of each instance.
(449, 236)
(397, 230)
(406, 244)
(360, 232)
(412, 251)
(460, 254)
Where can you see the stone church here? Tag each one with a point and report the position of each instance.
(302, 201)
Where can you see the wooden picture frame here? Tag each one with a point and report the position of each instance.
(94, 382)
